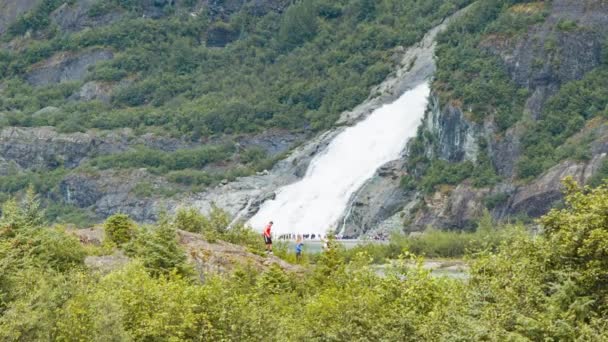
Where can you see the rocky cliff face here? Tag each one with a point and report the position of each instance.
(541, 61)
(106, 192)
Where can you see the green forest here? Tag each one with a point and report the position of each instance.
(295, 70)
(547, 286)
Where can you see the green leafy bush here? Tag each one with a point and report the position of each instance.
(190, 220)
(119, 228)
(159, 250)
(520, 287)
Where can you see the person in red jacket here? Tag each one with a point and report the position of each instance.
(268, 238)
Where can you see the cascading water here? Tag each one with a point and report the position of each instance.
(315, 203)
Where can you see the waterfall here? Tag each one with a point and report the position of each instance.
(315, 203)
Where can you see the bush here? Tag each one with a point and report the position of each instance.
(119, 228)
(160, 251)
(549, 286)
(190, 220)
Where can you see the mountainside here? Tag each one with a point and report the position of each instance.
(520, 102)
(139, 106)
(117, 105)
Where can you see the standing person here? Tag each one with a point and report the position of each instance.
(268, 238)
(299, 246)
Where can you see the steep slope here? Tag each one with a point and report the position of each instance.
(520, 102)
(112, 105)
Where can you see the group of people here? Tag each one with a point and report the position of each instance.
(268, 241)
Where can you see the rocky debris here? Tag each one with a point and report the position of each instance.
(64, 66)
(223, 257)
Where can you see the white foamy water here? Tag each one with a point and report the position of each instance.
(316, 202)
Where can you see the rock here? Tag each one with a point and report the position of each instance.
(505, 151)
(75, 17)
(95, 90)
(273, 142)
(113, 192)
(46, 111)
(65, 66)
(222, 257)
(578, 52)
(44, 147)
(538, 197)
(80, 190)
(456, 138)
(379, 199)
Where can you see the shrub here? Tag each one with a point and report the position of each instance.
(119, 228)
(492, 201)
(160, 251)
(190, 220)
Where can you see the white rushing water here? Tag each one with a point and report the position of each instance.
(315, 203)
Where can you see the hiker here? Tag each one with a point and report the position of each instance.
(299, 246)
(268, 238)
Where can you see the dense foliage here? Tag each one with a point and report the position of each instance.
(295, 69)
(473, 76)
(546, 287)
(565, 114)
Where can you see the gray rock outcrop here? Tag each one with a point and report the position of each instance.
(65, 67)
